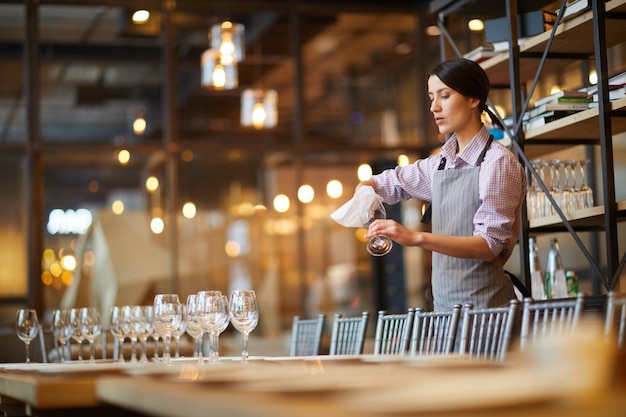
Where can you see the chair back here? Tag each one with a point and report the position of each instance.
(547, 318)
(393, 333)
(616, 317)
(348, 334)
(306, 336)
(487, 332)
(434, 332)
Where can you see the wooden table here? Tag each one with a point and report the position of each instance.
(573, 378)
(55, 389)
(325, 387)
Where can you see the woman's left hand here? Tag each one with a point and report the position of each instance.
(393, 230)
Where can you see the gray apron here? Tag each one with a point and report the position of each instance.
(455, 280)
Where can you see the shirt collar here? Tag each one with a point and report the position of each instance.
(471, 152)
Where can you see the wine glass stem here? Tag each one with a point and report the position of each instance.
(198, 346)
(214, 342)
(120, 352)
(92, 353)
(166, 350)
(27, 351)
(244, 350)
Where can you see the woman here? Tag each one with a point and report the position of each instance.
(476, 194)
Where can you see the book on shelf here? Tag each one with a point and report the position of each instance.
(528, 24)
(593, 91)
(574, 8)
(481, 53)
(538, 110)
(614, 94)
(563, 96)
(504, 45)
(546, 117)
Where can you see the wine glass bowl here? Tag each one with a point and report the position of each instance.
(244, 315)
(27, 327)
(377, 245)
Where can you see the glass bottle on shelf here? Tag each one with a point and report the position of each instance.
(538, 289)
(556, 285)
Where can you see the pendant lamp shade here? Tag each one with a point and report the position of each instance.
(227, 39)
(217, 75)
(259, 108)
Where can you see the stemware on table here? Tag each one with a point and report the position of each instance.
(146, 328)
(27, 327)
(131, 324)
(193, 327)
(90, 328)
(76, 331)
(214, 317)
(179, 332)
(244, 315)
(168, 314)
(61, 329)
(117, 330)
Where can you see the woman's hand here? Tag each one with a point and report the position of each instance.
(393, 230)
(474, 247)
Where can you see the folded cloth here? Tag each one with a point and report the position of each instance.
(350, 213)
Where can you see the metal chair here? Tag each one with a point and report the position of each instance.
(348, 334)
(615, 318)
(434, 332)
(393, 332)
(306, 336)
(486, 332)
(544, 318)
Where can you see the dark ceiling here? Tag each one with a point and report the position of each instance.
(97, 70)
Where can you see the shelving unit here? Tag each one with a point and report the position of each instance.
(584, 37)
(572, 42)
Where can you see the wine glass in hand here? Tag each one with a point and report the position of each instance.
(27, 326)
(244, 315)
(378, 245)
(168, 314)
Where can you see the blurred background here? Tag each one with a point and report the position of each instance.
(138, 157)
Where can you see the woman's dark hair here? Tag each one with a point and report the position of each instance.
(468, 78)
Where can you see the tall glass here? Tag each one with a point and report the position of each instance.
(77, 331)
(91, 328)
(244, 315)
(117, 330)
(146, 330)
(27, 327)
(194, 328)
(214, 315)
(378, 245)
(168, 314)
(61, 329)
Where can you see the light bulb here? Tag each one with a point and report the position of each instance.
(258, 115)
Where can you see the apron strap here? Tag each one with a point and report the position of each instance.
(442, 163)
(429, 210)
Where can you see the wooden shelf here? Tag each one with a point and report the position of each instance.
(574, 37)
(587, 218)
(580, 127)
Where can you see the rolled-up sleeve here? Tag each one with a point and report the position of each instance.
(410, 181)
(502, 187)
